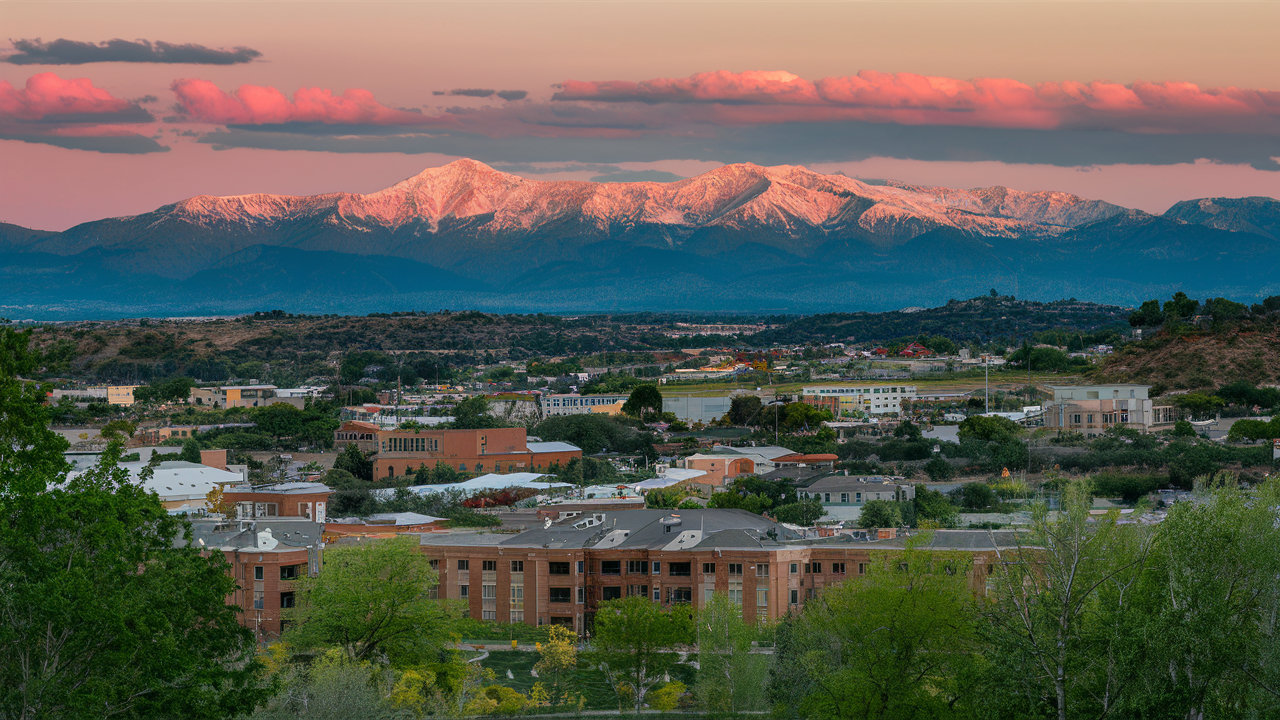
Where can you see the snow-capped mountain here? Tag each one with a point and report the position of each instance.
(467, 225)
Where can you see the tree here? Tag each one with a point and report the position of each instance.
(1199, 405)
(743, 408)
(934, 507)
(174, 389)
(1180, 306)
(644, 400)
(558, 656)
(1184, 428)
(1067, 573)
(939, 469)
(371, 600)
(1147, 315)
(353, 460)
(894, 643)
(730, 679)
(106, 611)
(976, 495)
(805, 512)
(632, 643)
(473, 414)
(880, 514)
(190, 451)
(991, 428)
(907, 430)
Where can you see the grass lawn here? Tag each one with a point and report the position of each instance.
(587, 681)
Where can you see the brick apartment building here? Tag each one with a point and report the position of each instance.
(307, 500)
(560, 573)
(363, 435)
(266, 557)
(402, 451)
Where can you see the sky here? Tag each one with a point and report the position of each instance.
(116, 108)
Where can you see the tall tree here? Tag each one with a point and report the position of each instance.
(372, 600)
(107, 610)
(730, 678)
(644, 401)
(633, 642)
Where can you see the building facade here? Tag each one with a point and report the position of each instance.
(843, 497)
(363, 435)
(560, 574)
(402, 451)
(573, 404)
(1093, 409)
(308, 500)
(266, 560)
(229, 396)
(869, 399)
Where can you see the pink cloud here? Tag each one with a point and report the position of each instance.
(48, 97)
(911, 99)
(257, 105)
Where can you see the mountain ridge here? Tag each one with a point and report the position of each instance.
(891, 243)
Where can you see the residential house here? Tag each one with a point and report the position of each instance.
(843, 497)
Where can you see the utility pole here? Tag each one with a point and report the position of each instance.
(986, 402)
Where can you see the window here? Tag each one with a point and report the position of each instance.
(580, 562)
(258, 599)
(517, 597)
(637, 567)
(1075, 419)
(844, 497)
(735, 568)
(462, 467)
(288, 572)
(435, 565)
(795, 568)
(837, 568)
(610, 593)
(489, 615)
(517, 616)
(489, 565)
(707, 595)
(638, 590)
(464, 591)
(735, 596)
(857, 497)
(657, 568)
(682, 595)
(1090, 418)
(808, 568)
(517, 566)
(560, 595)
(582, 593)
(286, 599)
(795, 597)
(683, 569)
(862, 568)
(762, 597)
(826, 497)
(488, 592)
(464, 564)
(257, 572)
(817, 568)
(610, 567)
(557, 568)
(708, 568)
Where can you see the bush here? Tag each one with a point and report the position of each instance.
(975, 496)
(939, 469)
(1128, 487)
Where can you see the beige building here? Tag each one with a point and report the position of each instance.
(1092, 409)
(120, 394)
(229, 396)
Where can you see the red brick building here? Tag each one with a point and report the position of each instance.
(309, 500)
(267, 557)
(500, 450)
(355, 432)
(560, 574)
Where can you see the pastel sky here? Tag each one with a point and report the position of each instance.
(115, 108)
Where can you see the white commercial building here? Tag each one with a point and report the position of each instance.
(570, 404)
(870, 399)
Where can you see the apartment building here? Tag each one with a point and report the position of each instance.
(364, 435)
(560, 573)
(843, 497)
(402, 451)
(308, 500)
(121, 394)
(1092, 409)
(229, 396)
(266, 557)
(573, 404)
(870, 399)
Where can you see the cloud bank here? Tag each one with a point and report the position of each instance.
(72, 52)
(202, 101)
(72, 113)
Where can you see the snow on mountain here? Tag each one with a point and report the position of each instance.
(785, 198)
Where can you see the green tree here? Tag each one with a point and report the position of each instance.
(976, 495)
(897, 642)
(907, 430)
(107, 609)
(1184, 428)
(1147, 315)
(939, 469)
(644, 401)
(934, 507)
(743, 408)
(880, 514)
(473, 414)
(1180, 306)
(633, 642)
(1199, 405)
(371, 600)
(991, 428)
(730, 678)
(190, 451)
(353, 460)
(805, 512)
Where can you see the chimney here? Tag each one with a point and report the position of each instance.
(214, 458)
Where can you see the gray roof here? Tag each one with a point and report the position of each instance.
(647, 528)
(769, 452)
(842, 483)
(290, 533)
(544, 447)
